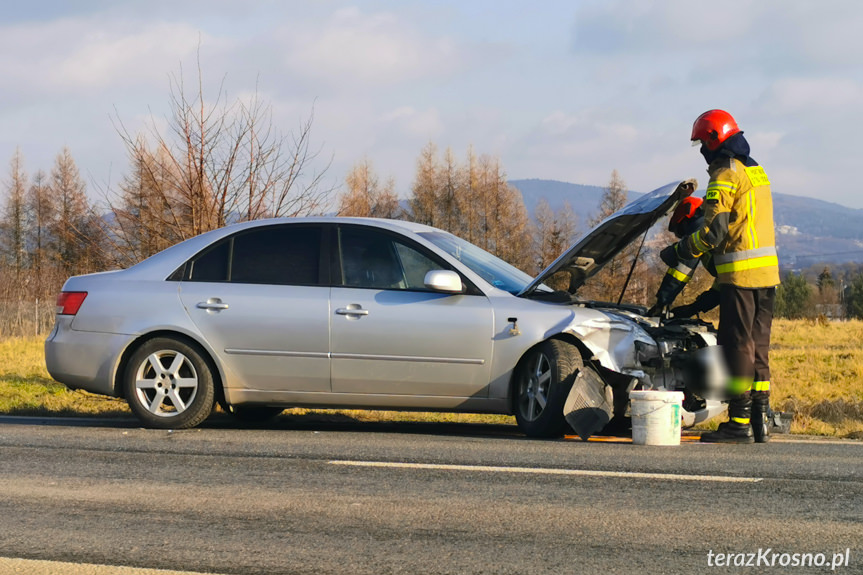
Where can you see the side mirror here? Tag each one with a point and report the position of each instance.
(444, 281)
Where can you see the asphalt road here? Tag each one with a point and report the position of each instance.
(417, 498)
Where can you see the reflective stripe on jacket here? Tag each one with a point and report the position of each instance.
(676, 278)
(738, 226)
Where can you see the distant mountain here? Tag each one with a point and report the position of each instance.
(808, 230)
(584, 200)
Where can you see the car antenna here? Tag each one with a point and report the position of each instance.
(632, 268)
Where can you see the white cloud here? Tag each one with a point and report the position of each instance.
(416, 123)
(569, 92)
(815, 94)
(84, 55)
(379, 48)
(765, 142)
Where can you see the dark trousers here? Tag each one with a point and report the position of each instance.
(745, 319)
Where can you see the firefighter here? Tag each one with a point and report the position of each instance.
(739, 232)
(686, 219)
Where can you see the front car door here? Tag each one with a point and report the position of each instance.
(391, 335)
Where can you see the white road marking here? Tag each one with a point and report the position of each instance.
(33, 567)
(547, 471)
(825, 441)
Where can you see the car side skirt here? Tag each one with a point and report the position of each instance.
(367, 401)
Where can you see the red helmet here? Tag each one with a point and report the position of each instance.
(713, 127)
(684, 212)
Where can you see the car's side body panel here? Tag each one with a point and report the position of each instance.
(84, 359)
(444, 346)
(272, 338)
(84, 351)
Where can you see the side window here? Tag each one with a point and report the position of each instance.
(212, 265)
(373, 259)
(415, 266)
(280, 255)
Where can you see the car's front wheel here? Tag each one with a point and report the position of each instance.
(169, 385)
(543, 380)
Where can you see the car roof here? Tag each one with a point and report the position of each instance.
(166, 261)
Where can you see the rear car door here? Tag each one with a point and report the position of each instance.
(393, 336)
(261, 300)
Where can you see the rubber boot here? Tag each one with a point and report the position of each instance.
(761, 417)
(738, 429)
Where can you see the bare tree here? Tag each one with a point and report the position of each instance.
(213, 164)
(553, 234)
(144, 220)
(424, 192)
(613, 198)
(449, 190)
(366, 197)
(610, 281)
(506, 227)
(41, 217)
(13, 222)
(474, 201)
(77, 230)
(469, 198)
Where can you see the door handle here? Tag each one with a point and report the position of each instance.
(212, 304)
(352, 309)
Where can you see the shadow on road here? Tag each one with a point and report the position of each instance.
(317, 421)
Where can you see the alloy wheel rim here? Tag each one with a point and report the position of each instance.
(166, 383)
(533, 396)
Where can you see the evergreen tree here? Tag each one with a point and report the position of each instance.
(793, 297)
(854, 297)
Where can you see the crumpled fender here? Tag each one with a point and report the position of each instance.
(611, 339)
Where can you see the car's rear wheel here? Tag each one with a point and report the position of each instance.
(169, 385)
(543, 380)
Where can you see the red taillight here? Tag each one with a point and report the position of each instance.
(69, 302)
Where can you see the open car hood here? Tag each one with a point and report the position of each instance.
(613, 234)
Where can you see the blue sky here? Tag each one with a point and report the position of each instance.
(565, 90)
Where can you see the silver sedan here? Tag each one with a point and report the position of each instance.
(348, 313)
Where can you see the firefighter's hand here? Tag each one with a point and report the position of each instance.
(669, 256)
(683, 311)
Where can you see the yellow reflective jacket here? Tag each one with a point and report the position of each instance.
(738, 226)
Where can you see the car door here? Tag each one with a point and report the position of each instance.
(261, 300)
(393, 336)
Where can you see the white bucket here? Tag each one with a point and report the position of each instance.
(655, 417)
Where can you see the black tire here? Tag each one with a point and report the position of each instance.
(169, 385)
(543, 380)
(254, 413)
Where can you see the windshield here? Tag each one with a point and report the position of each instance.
(490, 268)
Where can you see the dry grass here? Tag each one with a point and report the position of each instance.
(27, 389)
(817, 374)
